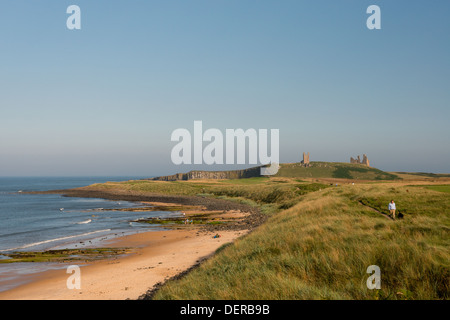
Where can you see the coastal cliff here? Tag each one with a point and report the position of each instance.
(200, 174)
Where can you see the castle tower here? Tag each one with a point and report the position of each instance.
(365, 160)
(305, 160)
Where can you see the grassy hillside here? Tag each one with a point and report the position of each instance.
(320, 247)
(324, 170)
(334, 170)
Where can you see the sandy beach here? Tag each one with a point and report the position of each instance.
(158, 256)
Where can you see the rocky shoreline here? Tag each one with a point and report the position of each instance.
(253, 219)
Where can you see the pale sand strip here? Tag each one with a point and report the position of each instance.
(159, 256)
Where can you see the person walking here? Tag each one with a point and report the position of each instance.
(392, 209)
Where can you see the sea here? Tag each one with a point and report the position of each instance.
(38, 222)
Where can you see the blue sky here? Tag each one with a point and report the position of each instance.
(105, 99)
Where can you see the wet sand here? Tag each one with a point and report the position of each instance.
(158, 256)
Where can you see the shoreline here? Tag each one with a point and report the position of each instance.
(157, 256)
(253, 217)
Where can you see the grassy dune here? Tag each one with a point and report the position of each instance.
(321, 247)
(320, 239)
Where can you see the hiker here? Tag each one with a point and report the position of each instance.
(392, 209)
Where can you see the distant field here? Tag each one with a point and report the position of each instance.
(255, 180)
(441, 188)
(415, 175)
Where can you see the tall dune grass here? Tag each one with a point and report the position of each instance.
(321, 247)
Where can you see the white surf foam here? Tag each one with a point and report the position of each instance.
(85, 222)
(53, 240)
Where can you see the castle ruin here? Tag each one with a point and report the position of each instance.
(365, 160)
(305, 161)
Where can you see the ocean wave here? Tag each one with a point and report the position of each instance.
(6, 235)
(85, 222)
(53, 240)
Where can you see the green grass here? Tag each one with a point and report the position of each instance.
(440, 188)
(427, 174)
(410, 200)
(310, 187)
(247, 181)
(321, 247)
(334, 170)
(270, 194)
